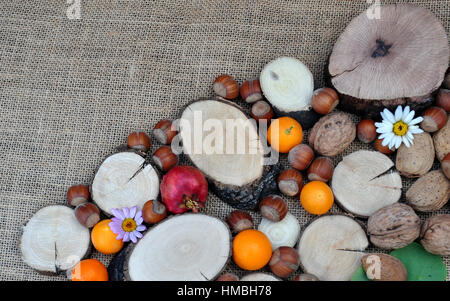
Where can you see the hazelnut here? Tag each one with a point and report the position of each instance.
(306, 277)
(87, 214)
(324, 100)
(443, 99)
(251, 91)
(164, 158)
(261, 110)
(377, 144)
(290, 182)
(446, 165)
(301, 156)
(394, 226)
(273, 208)
(239, 220)
(164, 131)
(389, 268)
(284, 261)
(434, 118)
(435, 234)
(139, 141)
(78, 194)
(153, 212)
(366, 131)
(225, 86)
(228, 277)
(321, 169)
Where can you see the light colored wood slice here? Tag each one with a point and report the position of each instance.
(188, 247)
(288, 84)
(282, 233)
(204, 118)
(362, 184)
(321, 244)
(259, 277)
(122, 182)
(54, 240)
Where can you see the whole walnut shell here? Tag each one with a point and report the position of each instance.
(393, 226)
(430, 192)
(416, 160)
(442, 141)
(332, 134)
(435, 234)
(390, 268)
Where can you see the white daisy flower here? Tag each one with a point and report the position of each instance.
(398, 128)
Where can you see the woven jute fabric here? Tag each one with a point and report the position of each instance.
(71, 89)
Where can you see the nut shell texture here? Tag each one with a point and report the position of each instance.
(394, 226)
(430, 192)
(435, 234)
(332, 134)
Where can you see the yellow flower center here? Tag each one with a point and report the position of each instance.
(400, 128)
(129, 225)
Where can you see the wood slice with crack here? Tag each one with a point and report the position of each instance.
(399, 58)
(187, 247)
(331, 247)
(53, 240)
(124, 180)
(221, 141)
(362, 183)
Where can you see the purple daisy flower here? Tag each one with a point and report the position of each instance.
(127, 224)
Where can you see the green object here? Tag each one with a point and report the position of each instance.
(360, 275)
(421, 265)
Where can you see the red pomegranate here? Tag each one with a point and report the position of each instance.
(184, 188)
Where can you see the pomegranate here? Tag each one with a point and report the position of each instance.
(184, 188)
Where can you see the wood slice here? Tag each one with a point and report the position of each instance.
(53, 240)
(331, 247)
(288, 85)
(238, 177)
(397, 59)
(362, 183)
(124, 180)
(187, 247)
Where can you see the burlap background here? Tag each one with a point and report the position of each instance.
(71, 90)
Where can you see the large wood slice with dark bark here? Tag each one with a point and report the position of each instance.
(53, 240)
(396, 58)
(187, 247)
(124, 179)
(221, 141)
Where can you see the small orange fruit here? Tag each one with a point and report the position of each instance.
(89, 270)
(316, 197)
(284, 133)
(104, 240)
(251, 250)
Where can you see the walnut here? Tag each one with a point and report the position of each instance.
(332, 134)
(430, 192)
(442, 141)
(394, 226)
(416, 160)
(435, 234)
(389, 268)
